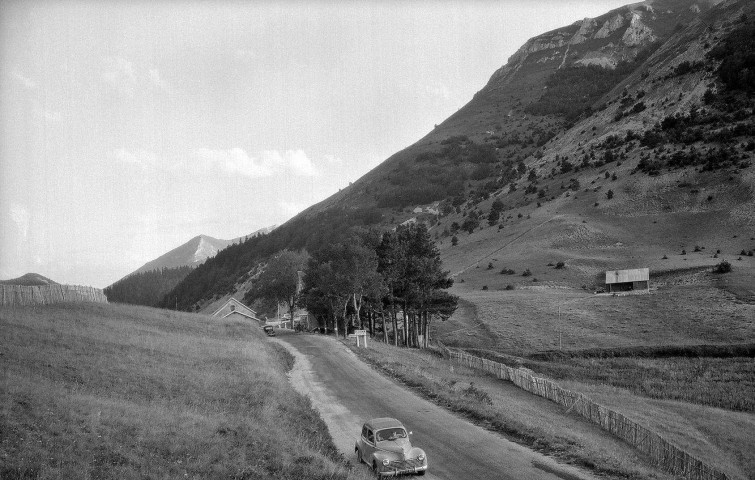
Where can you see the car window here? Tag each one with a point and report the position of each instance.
(364, 432)
(370, 436)
(389, 434)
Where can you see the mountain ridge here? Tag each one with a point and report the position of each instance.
(29, 280)
(538, 134)
(194, 252)
(156, 278)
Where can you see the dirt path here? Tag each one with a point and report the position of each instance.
(347, 392)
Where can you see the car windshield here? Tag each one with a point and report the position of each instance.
(389, 434)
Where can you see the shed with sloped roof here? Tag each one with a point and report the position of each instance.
(628, 280)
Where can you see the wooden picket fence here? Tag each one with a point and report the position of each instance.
(661, 452)
(49, 294)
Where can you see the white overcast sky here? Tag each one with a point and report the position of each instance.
(127, 128)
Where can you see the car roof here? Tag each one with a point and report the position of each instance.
(383, 422)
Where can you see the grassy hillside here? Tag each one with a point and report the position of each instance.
(721, 438)
(627, 126)
(108, 391)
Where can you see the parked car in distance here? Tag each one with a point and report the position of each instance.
(384, 445)
(269, 330)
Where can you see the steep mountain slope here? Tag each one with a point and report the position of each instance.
(191, 253)
(610, 142)
(151, 282)
(29, 280)
(619, 142)
(194, 252)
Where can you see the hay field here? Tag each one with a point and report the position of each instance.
(702, 404)
(538, 318)
(114, 391)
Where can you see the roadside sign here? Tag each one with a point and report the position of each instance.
(361, 334)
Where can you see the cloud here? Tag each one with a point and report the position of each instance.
(142, 158)
(244, 54)
(119, 74)
(264, 164)
(235, 161)
(437, 89)
(20, 216)
(300, 164)
(158, 81)
(23, 80)
(291, 208)
(51, 116)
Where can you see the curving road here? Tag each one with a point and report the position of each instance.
(346, 392)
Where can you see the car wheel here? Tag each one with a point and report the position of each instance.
(421, 472)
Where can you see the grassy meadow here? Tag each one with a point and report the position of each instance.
(115, 391)
(641, 355)
(626, 342)
(718, 382)
(501, 406)
(719, 437)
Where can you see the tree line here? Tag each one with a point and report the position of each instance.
(147, 288)
(386, 283)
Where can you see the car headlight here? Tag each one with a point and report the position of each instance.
(386, 462)
(421, 456)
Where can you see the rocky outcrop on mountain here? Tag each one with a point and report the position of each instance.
(586, 30)
(606, 40)
(610, 26)
(550, 41)
(638, 33)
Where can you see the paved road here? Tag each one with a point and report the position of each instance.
(346, 392)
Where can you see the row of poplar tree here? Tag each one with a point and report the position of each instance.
(384, 282)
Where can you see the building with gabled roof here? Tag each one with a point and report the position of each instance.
(235, 309)
(628, 280)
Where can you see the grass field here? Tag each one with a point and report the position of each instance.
(718, 382)
(503, 407)
(701, 403)
(719, 437)
(111, 391)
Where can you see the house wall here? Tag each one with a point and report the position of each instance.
(623, 276)
(627, 286)
(238, 307)
(237, 316)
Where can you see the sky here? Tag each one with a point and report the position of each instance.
(129, 127)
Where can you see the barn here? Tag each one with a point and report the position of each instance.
(628, 280)
(235, 309)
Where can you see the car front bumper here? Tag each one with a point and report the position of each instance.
(402, 468)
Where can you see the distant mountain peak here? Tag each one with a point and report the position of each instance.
(29, 280)
(206, 248)
(194, 252)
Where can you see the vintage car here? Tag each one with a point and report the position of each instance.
(269, 330)
(384, 445)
